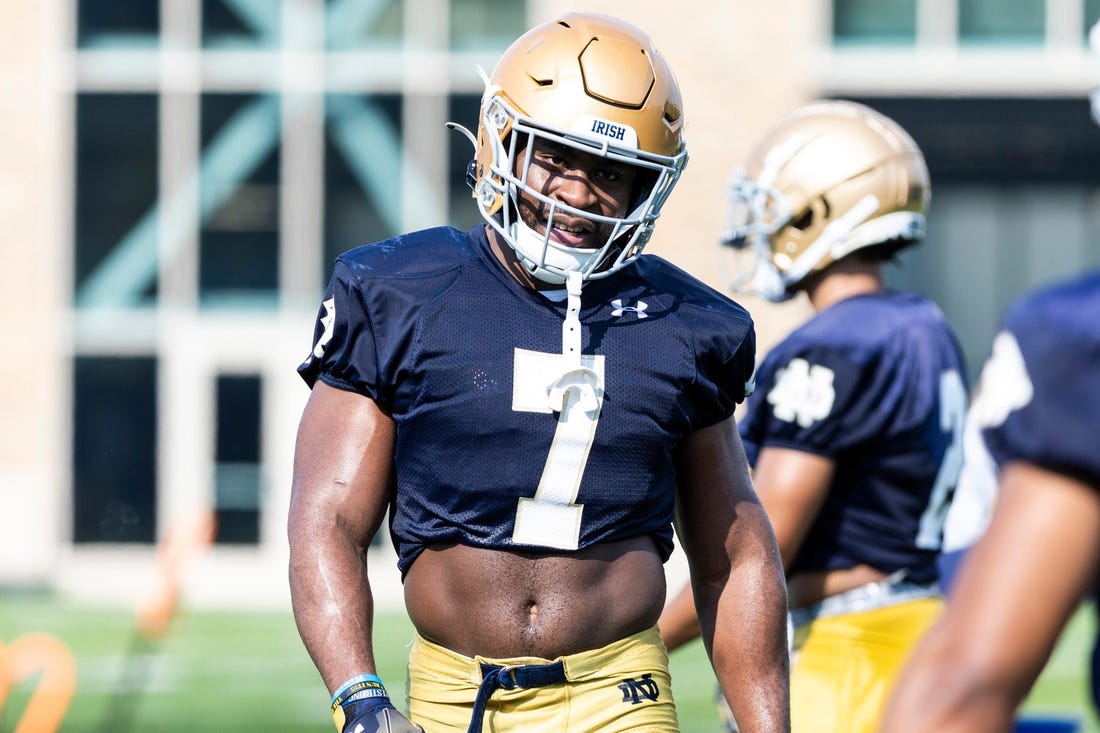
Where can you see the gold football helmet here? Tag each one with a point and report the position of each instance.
(594, 83)
(830, 179)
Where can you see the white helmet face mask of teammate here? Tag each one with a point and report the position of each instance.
(595, 84)
(832, 178)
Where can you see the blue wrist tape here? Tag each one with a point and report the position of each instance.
(359, 687)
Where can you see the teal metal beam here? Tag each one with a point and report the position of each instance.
(261, 15)
(360, 131)
(345, 19)
(372, 148)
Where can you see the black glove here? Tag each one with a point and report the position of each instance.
(372, 715)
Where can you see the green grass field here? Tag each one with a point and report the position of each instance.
(248, 673)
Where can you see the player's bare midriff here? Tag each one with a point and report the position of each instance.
(807, 588)
(526, 604)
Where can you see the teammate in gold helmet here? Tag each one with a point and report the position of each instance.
(830, 179)
(854, 430)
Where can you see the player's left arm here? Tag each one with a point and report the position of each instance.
(793, 486)
(737, 577)
(1014, 595)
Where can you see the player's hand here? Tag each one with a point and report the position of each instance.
(375, 715)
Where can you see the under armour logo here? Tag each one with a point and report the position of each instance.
(617, 308)
(635, 690)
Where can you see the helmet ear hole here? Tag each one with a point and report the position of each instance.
(818, 211)
(804, 220)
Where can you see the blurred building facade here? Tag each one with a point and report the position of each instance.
(179, 176)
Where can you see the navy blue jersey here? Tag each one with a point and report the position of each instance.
(1039, 397)
(875, 383)
(1045, 405)
(431, 327)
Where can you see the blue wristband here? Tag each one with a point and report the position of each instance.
(359, 687)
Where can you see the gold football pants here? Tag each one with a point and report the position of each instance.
(622, 687)
(844, 666)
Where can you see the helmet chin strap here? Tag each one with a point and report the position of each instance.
(577, 384)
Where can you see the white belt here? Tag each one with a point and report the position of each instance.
(888, 592)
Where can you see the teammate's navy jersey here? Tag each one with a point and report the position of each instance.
(431, 327)
(1038, 399)
(1039, 396)
(876, 383)
(1043, 405)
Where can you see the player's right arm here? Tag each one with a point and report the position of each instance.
(340, 492)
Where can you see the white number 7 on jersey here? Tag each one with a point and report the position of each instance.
(553, 518)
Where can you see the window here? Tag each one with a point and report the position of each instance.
(111, 23)
(972, 23)
(875, 21)
(116, 187)
(237, 481)
(239, 243)
(241, 24)
(362, 172)
(217, 176)
(1002, 21)
(1000, 141)
(364, 24)
(1092, 16)
(479, 24)
(114, 449)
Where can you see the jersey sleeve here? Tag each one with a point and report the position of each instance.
(820, 399)
(726, 375)
(344, 353)
(1040, 398)
(798, 402)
